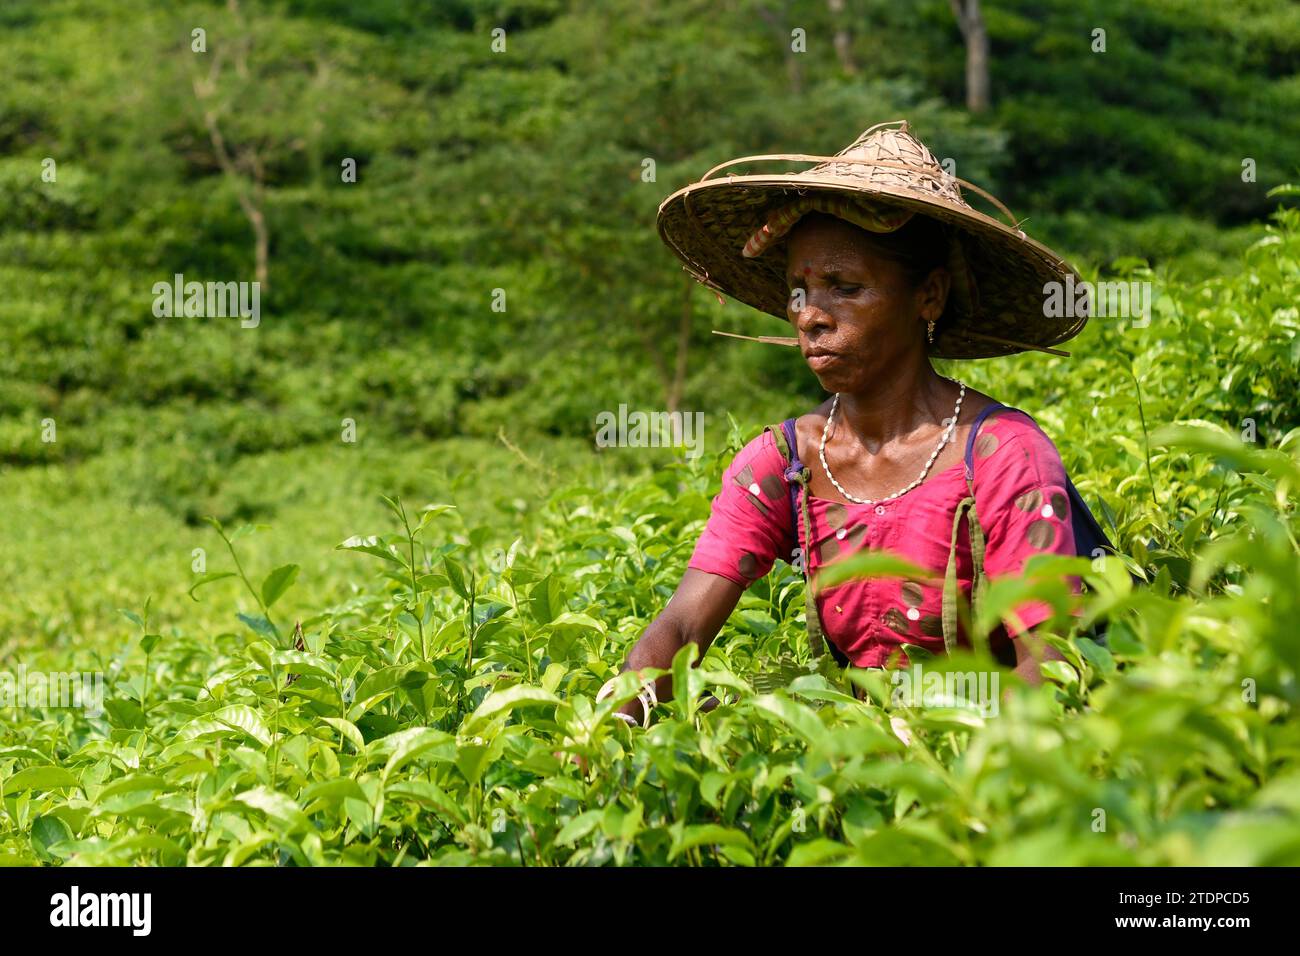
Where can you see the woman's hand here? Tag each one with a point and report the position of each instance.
(695, 613)
(633, 709)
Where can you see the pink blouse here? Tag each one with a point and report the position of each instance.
(1020, 494)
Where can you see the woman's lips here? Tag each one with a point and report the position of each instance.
(822, 360)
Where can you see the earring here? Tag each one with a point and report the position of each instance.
(929, 331)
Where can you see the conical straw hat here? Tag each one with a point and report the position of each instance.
(1002, 309)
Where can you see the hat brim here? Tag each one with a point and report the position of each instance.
(706, 224)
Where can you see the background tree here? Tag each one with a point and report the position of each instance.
(976, 38)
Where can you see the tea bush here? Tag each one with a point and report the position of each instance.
(443, 712)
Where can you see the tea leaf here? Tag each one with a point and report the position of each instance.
(277, 582)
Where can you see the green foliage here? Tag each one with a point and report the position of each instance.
(365, 682)
(1182, 94)
(525, 172)
(444, 712)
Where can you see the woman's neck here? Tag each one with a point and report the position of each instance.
(904, 399)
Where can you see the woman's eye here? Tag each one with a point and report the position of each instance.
(847, 289)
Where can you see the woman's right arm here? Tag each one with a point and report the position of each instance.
(695, 614)
(748, 527)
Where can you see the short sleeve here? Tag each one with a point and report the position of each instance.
(750, 524)
(1021, 494)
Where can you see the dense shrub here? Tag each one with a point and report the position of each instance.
(433, 714)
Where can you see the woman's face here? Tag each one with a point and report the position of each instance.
(855, 311)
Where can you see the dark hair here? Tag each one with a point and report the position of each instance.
(919, 247)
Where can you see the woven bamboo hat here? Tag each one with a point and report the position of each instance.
(730, 234)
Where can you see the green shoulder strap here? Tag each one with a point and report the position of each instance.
(778, 433)
(978, 582)
(816, 641)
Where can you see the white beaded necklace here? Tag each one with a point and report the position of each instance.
(947, 434)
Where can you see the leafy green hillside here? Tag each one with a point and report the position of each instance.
(432, 706)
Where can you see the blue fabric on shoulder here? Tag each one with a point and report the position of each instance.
(970, 439)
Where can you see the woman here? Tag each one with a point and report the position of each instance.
(879, 265)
